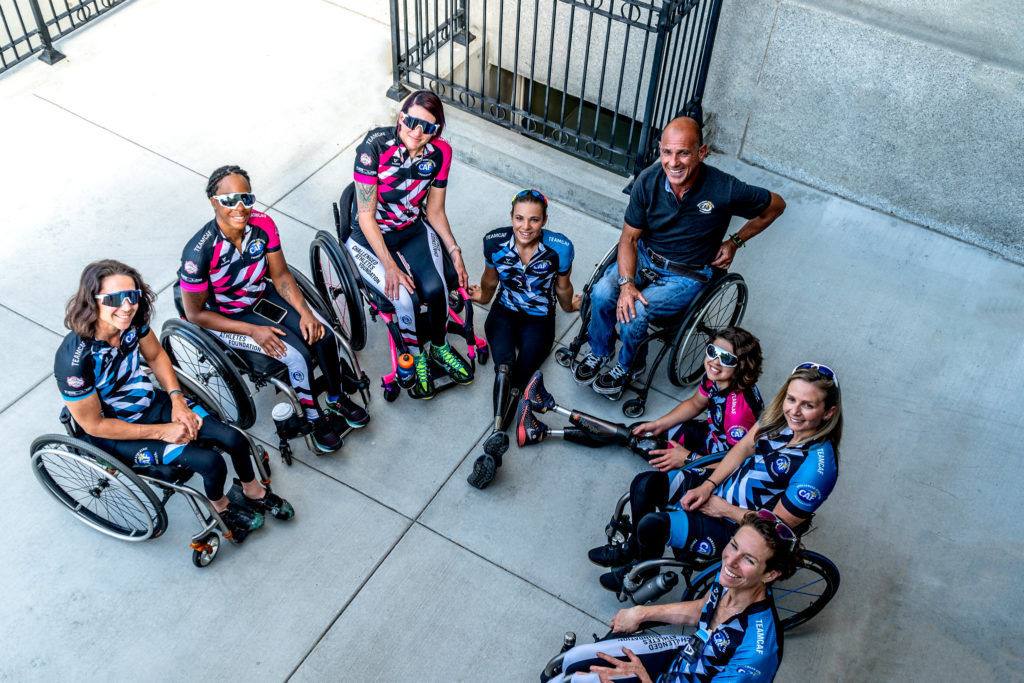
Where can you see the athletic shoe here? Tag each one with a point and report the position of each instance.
(452, 364)
(529, 430)
(496, 445)
(483, 472)
(611, 555)
(540, 400)
(424, 383)
(241, 520)
(346, 409)
(271, 504)
(612, 382)
(613, 580)
(324, 436)
(588, 368)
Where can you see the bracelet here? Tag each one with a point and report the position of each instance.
(454, 247)
(175, 391)
(737, 240)
(713, 484)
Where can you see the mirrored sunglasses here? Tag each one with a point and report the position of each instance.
(230, 201)
(782, 530)
(727, 359)
(117, 299)
(530, 193)
(823, 370)
(427, 127)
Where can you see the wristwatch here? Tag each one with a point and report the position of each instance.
(735, 237)
(624, 280)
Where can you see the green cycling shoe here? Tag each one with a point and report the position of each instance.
(452, 364)
(424, 386)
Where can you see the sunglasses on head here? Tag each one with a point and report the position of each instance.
(728, 360)
(427, 127)
(530, 193)
(117, 299)
(781, 529)
(823, 370)
(230, 201)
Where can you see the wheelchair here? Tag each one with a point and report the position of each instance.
(340, 283)
(129, 503)
(683, 337)
(219, 370)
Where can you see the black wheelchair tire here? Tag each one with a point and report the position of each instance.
(99, 490)
(721, 305)
(196, 354)
(815, 583)
(341, 280)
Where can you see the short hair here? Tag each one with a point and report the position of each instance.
(747, 348)
(430, 102)
(786, 557)
(81, 311)
(222, 172)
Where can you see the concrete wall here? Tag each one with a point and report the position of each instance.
(914, 108)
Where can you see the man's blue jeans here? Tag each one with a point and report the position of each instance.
(671, 294)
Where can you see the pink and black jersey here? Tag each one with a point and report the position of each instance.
(402, 181)
(730, 414)
(235, 278)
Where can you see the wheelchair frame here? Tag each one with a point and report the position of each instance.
(720, 303)
(99, 477)
(210, 359)
(337, 277)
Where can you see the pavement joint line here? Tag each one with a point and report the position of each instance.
(116, 134)
(318, 169)
(26, 393)
(25, 317)
(358, 14)
(767, 47)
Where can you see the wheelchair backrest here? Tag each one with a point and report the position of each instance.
(70, 426)
(343, 212)
(178, 305)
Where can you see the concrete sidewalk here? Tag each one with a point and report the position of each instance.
(394, 568)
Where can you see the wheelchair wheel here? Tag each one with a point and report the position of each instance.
(336, 278)
(798, 598)
(206, 550)
(721, 305)
(197, 355)
(98, 489)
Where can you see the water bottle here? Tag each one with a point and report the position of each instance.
(406, 372)
(568, 641)
(655, 588)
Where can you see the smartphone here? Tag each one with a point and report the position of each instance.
(270, 311)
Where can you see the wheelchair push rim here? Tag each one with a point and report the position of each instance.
(98, 489)
(721, 306)
(334, 275)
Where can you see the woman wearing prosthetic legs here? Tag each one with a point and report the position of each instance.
(529, 267)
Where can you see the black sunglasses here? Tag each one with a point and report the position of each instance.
(427, 127)
(117, 299)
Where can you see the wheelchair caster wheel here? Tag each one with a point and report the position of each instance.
(563, 357)
(633, 408)
(204, 552)
(482, 354)
(286, 453)
(455, 301)
(265, 458)
(391, 392)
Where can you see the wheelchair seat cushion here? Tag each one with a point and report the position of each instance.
(262, 364)
(174, 474)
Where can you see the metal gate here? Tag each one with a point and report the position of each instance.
(596, 78)
(31, 26)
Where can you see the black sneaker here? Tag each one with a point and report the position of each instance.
(529, 430)
(241, 520)
(324, 436)
(588, 368)
(483, 472)
(346, 409)
(272, 504)
(613, 580)
(496, 445)
(612, 382)
(541, 401)
(611, 555)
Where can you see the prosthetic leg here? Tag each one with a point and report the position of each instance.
(583, 428)
(504, 400)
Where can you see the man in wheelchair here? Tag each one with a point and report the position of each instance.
(738, 638)
(672, 236)
(99, 372)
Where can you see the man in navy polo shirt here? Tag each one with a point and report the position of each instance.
(675, 225)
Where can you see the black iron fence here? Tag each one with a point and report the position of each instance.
(31, 26)
(596, 78)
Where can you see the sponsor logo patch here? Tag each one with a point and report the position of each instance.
(721, 640)
(704, 546)
(406, 320)
(749, 671)
(255, 248)
(807, 493)
(780, 465)
(542, 267)
(298, 376)
(76, 382)
(191, 268)
(130, 336)
(365, 159)
(705, 207)
(737, 433)
(425, 166)
(145, 457)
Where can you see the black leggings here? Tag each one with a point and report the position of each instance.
(197, 455)
(519, 340)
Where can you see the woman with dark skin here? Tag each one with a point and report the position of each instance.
(98, 370)
(223, 279)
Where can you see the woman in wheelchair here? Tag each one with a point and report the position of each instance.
(788, 465)
(223, 277)
(531, 267)
(738, 632)
(732, 364)
(99, 374)
(401, 175)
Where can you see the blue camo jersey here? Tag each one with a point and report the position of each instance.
(85, 366)
(528, 288)
(801, 477)
(746, 648)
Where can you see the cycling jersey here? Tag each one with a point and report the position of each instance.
(801, 476)
(236, 277)
(529, 288)
(402, 181)
(730, 414)
(85, 366)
